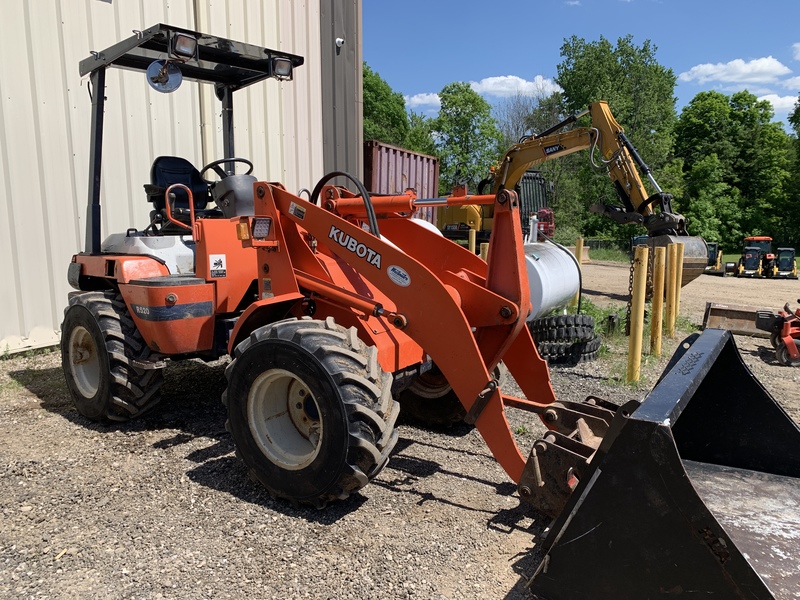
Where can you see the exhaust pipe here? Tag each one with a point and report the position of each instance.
(694, 492)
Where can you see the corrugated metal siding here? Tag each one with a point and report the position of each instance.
(278, 125)
(392, 170)
(45, 125)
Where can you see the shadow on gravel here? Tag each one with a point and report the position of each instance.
(620, 297)
(49, 386)
(764, 353)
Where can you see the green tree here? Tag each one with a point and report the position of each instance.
(792, 226)
(420, 135)
(466, 134)
(385, 117)
(705, 127)
(752, 164)
(761, 164)
(712, 205)
(640, 94)
(639, 90)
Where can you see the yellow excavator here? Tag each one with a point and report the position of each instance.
(619, 159)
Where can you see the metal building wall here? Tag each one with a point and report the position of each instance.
(44, 131)
(342, 93)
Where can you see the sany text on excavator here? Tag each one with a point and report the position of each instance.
(333, 307)
(621, 162)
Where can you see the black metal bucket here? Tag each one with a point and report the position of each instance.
(695, 493)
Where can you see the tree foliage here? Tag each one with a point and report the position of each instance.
(466, 135)
(385, 117)
(639, 90)
(749, 175)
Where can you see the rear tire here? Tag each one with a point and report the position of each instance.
(99, 343)
(310, 410)
(782, 354)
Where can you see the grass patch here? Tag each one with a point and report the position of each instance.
(730, 258)
(610, 326)
(610, 254)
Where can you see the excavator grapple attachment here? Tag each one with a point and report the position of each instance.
(695, 492)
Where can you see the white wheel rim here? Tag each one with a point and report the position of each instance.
(284, 420)
(84, 362)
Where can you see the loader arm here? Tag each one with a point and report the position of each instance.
(467, 315)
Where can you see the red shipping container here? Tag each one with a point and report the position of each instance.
(392, 170)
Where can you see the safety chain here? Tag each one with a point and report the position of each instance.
(630, 295)
(648, 287)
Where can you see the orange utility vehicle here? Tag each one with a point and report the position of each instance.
(333, 307)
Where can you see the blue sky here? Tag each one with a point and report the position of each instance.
(504, 46)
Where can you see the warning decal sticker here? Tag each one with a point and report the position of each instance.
(219, 267)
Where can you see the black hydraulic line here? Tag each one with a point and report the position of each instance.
(568, 121)
(372, 220)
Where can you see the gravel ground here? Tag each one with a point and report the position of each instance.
(160, 507)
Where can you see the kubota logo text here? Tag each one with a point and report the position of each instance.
(356, 247)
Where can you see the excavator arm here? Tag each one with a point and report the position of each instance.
(606, 141)
(620, 160)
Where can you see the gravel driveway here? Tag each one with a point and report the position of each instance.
(161, 507)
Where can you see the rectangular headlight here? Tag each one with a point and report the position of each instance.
(183, 46)
(281, 68)
(261, 228)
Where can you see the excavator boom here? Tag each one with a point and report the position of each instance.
(606, 141)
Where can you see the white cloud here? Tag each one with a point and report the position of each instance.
(573, 2)
(781, 104)
(510, 85)
(791, 84)
(759, 70)
(497, 87)
(796, 50)
(418, 100)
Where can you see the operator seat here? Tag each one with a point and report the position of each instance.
(166, 171)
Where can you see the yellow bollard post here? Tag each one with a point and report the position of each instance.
(671, 266)
(678, 279)
(657, 320)
(578, 257)
(472, 237)
(484, 251)
(637, 313)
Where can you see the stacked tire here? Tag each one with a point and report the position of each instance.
(565, 339)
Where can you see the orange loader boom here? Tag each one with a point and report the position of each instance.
(473, 313)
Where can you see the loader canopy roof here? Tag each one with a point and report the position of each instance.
(218, 60)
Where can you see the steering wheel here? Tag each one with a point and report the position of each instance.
(215, 166)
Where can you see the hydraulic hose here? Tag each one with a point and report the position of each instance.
(372, 220)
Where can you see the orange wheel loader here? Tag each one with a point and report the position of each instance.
(335, 306)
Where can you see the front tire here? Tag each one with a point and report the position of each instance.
(310, 410)
(99, 344)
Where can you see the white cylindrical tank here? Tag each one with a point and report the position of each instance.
(553, 277)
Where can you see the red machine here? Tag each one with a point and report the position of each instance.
(784, 333)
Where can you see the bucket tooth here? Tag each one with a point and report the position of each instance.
(696, 491)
